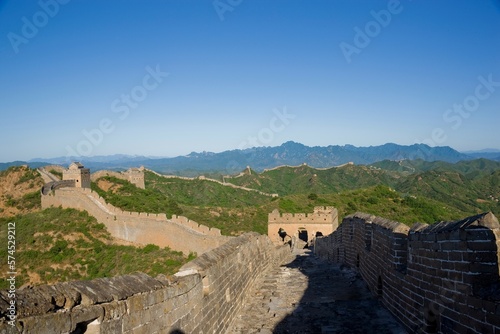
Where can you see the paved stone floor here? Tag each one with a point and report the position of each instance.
(309, 295)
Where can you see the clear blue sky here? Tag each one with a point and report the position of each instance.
(341, 71)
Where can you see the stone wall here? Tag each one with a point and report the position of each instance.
(47, 175)
(178, 233)
(203, 297)
(132, 175)
(201, 177)
(442, 278)
(323, 220)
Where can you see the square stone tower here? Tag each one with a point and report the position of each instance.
(76, 171)
(136, 176)
(323, 221)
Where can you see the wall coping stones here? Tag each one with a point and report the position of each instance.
(483, 220)
(387, 224)
(43, 299)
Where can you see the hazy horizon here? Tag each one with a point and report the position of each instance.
(169, 78)
(41, 158)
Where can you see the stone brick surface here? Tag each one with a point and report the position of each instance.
(438, 279)
(309, 295)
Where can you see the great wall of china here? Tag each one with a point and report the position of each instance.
(226, 184)
(442, 278)
(203, 297)
(178, 233)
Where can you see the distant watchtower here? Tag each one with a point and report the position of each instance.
(323, 221)
(136, 176)
(76, 171)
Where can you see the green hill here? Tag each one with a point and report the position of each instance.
(356, 188)
(468, 195)
(467, 167)
(57, 245)
(378, 200)
(469, 187)
(305, 179)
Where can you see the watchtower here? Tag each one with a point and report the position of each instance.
(136, 176)
(77, 172)
(322, 222)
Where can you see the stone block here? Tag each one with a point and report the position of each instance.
(114, 310)
(86, 314)
(135, 319)
(32, 301)
(479, 256)
(484, 267)
(481, 245)
(48, 323)
(136, 303)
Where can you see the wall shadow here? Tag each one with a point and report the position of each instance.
(336, 300)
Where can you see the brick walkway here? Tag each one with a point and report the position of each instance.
(312, 296)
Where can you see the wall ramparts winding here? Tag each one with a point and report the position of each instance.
(442, 278)
(178, 233)
(203, 297)
(226, 184)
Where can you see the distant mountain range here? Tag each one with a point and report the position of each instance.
(260, 158)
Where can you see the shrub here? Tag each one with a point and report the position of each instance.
(312, 196)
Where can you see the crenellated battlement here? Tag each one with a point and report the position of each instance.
(178, 233)
(320, 215)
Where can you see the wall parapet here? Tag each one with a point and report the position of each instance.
(434, 278)
(198, 299)
(320, 215)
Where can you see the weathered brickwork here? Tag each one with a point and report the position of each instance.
(178, 233)
(204, 296)
(442, 278)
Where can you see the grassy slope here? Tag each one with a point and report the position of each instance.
(19, 190)
(305, 179)
(468, 195)
(56, 245)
